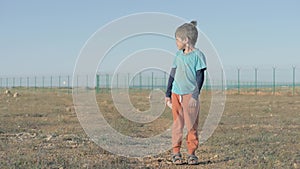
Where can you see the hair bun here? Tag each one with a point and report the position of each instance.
(194, 23)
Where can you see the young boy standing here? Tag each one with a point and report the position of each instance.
(185, 82)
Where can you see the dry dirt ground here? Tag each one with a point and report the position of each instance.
(40, 129)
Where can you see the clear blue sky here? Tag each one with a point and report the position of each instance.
(45, 37)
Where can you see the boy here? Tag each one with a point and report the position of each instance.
(185, 82)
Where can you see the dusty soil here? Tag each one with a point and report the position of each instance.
(40, 129)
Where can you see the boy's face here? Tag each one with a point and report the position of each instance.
(181, 44)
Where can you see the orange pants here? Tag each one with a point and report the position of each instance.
(184, 115)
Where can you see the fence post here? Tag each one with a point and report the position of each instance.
(97, 83)
(50, 82)
(152, 82)
(140, 78)
(255, 82)
(87, 82)
(274, 80)
(206, 80)
(20, 81)
(77, 83)
(107, 82)
(27, 82)
(117, 81)
(128, 80)
(7, 82)
(59, 81)
(43, 82)
(35, 82)
(125, 80)
(68, 84)
(13, 82)
(165, 80)
(239, 80)
(222, 78)
(294, 79)
(133, 80)
(148, 82)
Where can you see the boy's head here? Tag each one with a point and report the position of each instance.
(187, 32)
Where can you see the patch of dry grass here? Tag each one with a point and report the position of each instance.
(39, 129)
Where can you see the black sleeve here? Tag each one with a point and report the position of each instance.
(170, 82)
(199, 80)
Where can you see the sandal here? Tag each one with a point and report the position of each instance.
(192, 160)
(177, 159)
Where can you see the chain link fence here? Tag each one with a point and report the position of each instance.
(272, 80)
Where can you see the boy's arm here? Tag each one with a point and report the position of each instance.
(200, 80)
(170, 82)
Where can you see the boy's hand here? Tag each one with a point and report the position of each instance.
(192, 103)
(167, 99)
(168, 102)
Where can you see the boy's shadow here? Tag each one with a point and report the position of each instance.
(214, 161)
(211, 161)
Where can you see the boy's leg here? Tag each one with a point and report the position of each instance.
(178, 123)
(191, 118)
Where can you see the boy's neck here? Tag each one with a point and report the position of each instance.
(188, 50)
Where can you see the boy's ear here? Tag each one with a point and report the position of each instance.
(185, 40)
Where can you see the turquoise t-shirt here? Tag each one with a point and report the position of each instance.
(186, 67)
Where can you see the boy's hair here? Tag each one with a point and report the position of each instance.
(188, 30)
